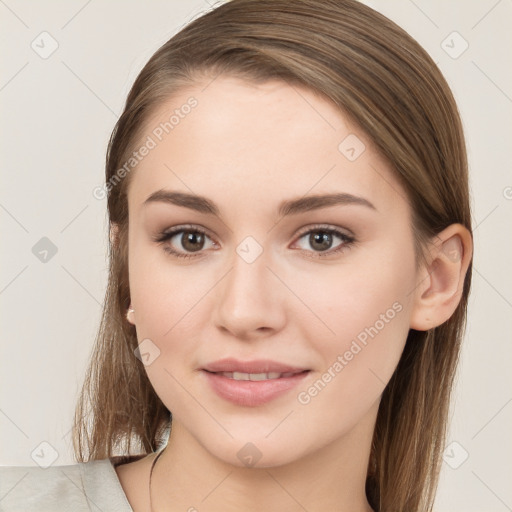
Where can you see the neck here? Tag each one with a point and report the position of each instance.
(188, 478)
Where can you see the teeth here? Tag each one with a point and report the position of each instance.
(260, 376)
(254, 376)
(240, 376)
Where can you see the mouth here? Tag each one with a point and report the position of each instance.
(256, 377)
(252, 383)
(256, 367)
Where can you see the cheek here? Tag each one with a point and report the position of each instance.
(169, 307)
(358, 362)
(357, 301)
(368, 310)
(165, 294)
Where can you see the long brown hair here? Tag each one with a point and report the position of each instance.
(375, 73)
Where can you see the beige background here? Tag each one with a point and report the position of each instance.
(57, 115)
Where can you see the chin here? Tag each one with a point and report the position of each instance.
(258, 452)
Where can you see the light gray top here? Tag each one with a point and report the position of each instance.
(82, 487)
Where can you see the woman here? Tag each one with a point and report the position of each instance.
(290, 266)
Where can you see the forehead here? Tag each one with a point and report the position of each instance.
(244, 144)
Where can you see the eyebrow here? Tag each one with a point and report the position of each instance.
(288, 207)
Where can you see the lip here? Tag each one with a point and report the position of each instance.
(254, 366)
(250, 393)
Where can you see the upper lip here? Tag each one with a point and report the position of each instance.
(254, 366)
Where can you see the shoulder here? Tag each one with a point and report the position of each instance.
(76, 487)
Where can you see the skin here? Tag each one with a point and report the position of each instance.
(247, 147)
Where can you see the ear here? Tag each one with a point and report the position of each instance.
(114, 230)
(441, 279)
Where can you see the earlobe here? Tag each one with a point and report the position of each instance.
(129, 315)
(114, 230)
(441, 282)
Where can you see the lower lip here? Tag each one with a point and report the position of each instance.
(252, 393)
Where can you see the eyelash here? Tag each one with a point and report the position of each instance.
(347, 240)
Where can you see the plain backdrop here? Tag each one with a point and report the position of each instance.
(65, 73)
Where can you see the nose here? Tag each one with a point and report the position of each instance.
(250, 300)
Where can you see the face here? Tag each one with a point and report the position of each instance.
(266, 316)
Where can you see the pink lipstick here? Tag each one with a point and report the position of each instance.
(252, 383)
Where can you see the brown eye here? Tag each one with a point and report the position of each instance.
(192, 240)
(183, 243)
(319, 241)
